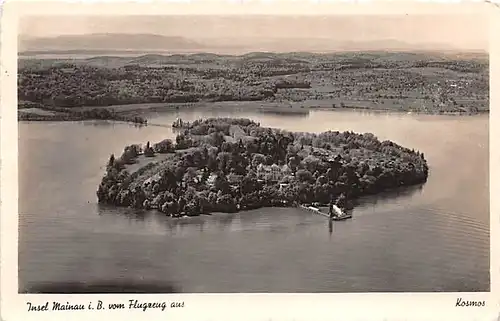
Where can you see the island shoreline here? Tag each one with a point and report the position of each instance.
(207, 171)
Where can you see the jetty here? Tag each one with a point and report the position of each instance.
(336, 215)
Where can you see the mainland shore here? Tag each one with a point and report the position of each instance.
(293, 83)
(134, 113)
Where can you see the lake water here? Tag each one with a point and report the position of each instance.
(433, 238)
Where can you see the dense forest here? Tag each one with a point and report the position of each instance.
(227, 165)
(91, 86)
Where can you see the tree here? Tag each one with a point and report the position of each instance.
(182, 142)
(111, 161)
(223, 160)
(179, 173)
(251, 147)
(258, 159)
(226, 147)
(304, 175)
(226, 203)
(163, 147)
(130, 153)
(249, 183)
(190, 176)
(221, 183)
(205, 174)
(217, 138)
(148, 151)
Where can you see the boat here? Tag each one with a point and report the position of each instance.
(336, 210)
(337, 214)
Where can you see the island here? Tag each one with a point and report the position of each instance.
(232, 164)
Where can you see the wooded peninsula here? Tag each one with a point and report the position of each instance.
(232, 164)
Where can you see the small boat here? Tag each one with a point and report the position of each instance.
(335, 210)
(337, 214)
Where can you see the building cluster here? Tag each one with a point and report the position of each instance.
(274, 172)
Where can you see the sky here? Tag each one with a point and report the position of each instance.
(463, 31)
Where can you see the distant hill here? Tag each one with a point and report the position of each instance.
(139, 44)
(327, 45)
(402, 58)
(93, 42)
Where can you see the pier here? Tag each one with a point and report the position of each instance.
(314, 210)
(338, 215)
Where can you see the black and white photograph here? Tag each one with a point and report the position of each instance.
(253, 153)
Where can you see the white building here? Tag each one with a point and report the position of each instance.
(273, 172)
(211, 179)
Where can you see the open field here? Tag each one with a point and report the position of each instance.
(410, 82)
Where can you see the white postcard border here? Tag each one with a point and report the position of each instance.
(369, 306)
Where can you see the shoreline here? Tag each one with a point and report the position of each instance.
(60, 114)
(369, 199)
(129, 111)
(390, 111)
